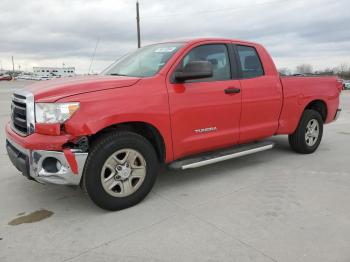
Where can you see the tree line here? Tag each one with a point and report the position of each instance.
(342, 71)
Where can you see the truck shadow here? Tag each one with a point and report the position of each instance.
(177, 178)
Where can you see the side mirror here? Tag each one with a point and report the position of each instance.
(194, 70)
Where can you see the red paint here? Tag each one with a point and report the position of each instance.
(71, 160)
(266, 106)
(48, 129)
(38, 141)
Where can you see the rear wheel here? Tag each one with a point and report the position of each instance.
(120, 171)
(307, 137)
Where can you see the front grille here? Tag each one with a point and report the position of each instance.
(19, 114)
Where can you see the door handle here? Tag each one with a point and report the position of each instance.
(232, 90)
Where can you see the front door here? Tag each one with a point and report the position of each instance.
(204, 116)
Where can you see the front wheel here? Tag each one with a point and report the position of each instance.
(307, 137)
(120, 171)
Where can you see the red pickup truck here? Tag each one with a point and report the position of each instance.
(184, 104)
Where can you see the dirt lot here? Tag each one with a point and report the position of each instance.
(272, 206)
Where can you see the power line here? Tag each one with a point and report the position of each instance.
(93, 55)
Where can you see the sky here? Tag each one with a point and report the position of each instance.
(57, 32)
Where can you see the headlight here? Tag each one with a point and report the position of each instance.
(50, 113)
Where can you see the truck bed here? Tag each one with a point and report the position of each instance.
(299, 91)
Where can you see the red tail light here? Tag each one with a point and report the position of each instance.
(339, 85)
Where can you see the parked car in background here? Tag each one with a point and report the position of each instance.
(180, 104)
(5, 77)
(346, 84)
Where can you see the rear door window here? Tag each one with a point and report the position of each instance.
(250, 62)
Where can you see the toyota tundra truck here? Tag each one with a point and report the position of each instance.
(182, 104)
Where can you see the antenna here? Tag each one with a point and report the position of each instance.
(93, 55)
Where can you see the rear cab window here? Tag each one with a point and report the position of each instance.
(249, 62)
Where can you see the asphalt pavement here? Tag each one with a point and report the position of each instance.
(271, 206)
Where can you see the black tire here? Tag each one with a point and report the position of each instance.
(297, 140)
(102, 149)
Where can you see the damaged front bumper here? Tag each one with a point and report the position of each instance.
(56, 167)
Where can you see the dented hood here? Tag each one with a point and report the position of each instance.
(52, 90)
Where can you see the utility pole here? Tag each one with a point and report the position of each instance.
(138, 25)
(13, 65)
(13, 70)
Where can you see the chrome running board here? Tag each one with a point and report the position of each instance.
(222, 155)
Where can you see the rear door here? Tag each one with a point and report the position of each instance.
(261, 96)
(203, 116)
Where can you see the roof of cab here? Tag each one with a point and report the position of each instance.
(210, 39)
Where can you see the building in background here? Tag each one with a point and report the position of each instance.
(53, 72)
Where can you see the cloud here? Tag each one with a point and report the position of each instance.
(52, 32)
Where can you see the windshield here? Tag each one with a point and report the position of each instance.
(146, 61)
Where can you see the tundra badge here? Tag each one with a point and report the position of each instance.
(206, 130)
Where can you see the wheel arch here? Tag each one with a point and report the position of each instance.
(147, 130)
(320, 106)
